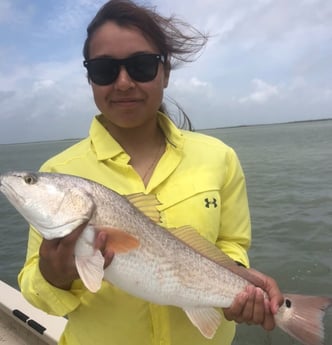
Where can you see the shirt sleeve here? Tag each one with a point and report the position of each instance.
(235, 229)
(38, 291)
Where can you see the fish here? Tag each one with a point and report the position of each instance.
(176, 267)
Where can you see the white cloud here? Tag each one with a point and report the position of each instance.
(262, 92)
(192, 84)
(53, 101)
(43, 84)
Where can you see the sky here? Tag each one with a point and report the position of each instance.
(267, 61)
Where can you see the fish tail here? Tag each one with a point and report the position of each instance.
(302, 317)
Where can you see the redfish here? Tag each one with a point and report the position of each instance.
(165, 266)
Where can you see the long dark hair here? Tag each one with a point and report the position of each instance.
(179, 41)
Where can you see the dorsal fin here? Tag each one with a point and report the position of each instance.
(193, 239)
(147, 204)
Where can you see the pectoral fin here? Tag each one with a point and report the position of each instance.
(90, 262)
(118, 240)
(207, 320)
(91, 270)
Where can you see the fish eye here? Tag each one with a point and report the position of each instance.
(288, 303)
(30, 179)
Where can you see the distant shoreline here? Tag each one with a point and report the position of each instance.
(197, 130)
(268, 124)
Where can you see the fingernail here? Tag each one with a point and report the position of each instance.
(250, 289)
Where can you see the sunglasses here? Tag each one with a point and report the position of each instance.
(141, 68)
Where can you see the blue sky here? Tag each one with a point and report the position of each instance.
(267, 61)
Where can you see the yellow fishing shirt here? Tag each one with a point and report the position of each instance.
(198, 182)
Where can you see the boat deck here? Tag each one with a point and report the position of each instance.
(22, 324)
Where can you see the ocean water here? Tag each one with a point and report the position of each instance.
(288, 169)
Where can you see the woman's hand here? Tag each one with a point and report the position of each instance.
(57, 257)
(251, 307)
(57, 261)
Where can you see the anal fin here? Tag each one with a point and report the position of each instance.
(207, 320)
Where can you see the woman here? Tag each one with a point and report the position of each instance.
(134, 147)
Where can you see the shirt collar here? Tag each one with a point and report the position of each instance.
(173, 135)
(107, 147)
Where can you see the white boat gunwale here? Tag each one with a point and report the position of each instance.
(21, 323)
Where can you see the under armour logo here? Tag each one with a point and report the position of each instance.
(209, 203)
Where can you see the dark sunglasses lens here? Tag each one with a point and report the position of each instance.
(142, 68)
(103, 71)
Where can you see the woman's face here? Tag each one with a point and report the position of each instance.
(126, 103)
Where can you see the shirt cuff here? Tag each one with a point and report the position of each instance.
(47, 297)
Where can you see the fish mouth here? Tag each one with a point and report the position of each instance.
(10, 192)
